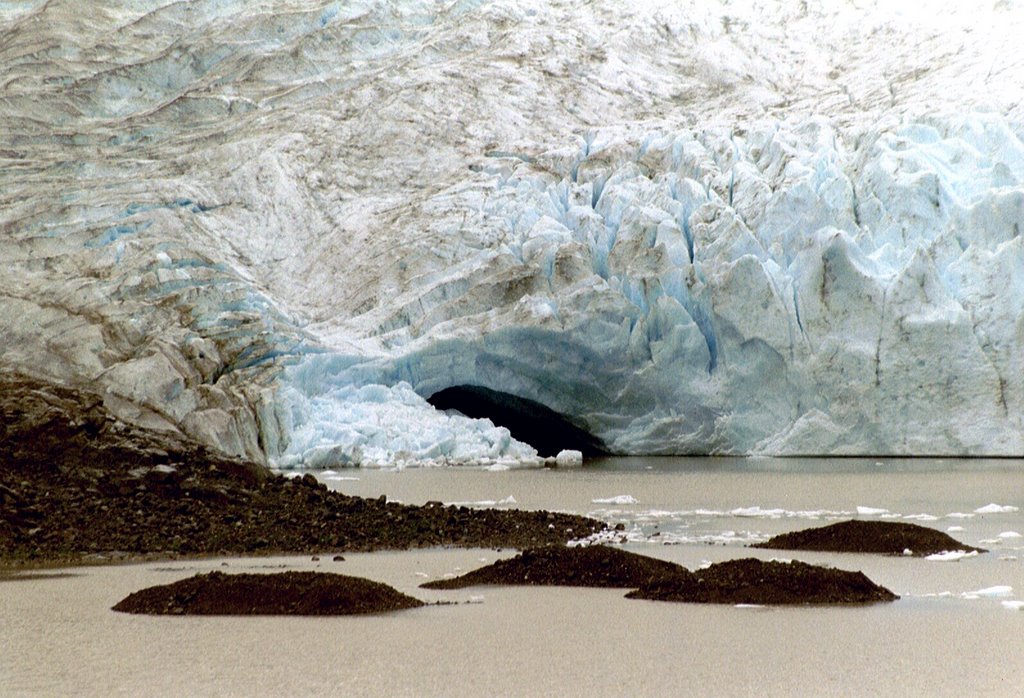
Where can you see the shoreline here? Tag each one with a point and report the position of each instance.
(78, 487)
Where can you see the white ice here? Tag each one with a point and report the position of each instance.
(951, 555)
(617, 499)
(276, 228)
(996, 509)
(989, 592)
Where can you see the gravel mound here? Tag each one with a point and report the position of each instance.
(280, 594)
(590, 566)
(857, 536)
(751, 581)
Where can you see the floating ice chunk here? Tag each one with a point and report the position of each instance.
(907, 552)
(989, 592)
(758, 512)
(475, 599)
(871, 511)
(1013, 605)
(1008, 535)
(657, 514)
(568, 459)
(497, 468)
(507, 501)
(954, 529)
(618, 499)
(921, 517)
(951, 555)
(996, 509)
(959, 515)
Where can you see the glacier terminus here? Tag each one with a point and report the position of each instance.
(282, 228)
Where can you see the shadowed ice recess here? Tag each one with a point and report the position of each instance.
(281, 229)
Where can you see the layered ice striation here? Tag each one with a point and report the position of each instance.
(795, 289)
(683, 228)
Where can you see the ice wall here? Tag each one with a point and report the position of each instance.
(793, 290)
(691, 227)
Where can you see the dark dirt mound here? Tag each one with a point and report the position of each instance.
(751, 581)
(591, 566)
(284, 593)
(76, 483)
(868, 537)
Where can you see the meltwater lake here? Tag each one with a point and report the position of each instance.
(958, 629)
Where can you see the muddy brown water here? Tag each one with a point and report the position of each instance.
(942, 638)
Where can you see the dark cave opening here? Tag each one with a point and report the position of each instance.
(546, 430)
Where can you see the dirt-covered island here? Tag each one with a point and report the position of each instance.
(747, 581)
(857, 536)
(282, 593)
(582, 566)
(771, 582)
(78, 485)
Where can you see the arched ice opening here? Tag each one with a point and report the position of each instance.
(529, 421)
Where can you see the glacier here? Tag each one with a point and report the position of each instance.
(690, 228)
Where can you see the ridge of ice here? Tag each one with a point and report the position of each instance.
(951, 555)
(276, 227)
(996, 509)
(989, 592)
(618, 499)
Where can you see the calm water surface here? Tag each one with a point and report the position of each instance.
(59, 637)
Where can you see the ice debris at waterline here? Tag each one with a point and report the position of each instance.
(887, 537)
(282, 593)
(751, 581)
(799, 238)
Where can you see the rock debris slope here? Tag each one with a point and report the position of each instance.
(277, 228)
